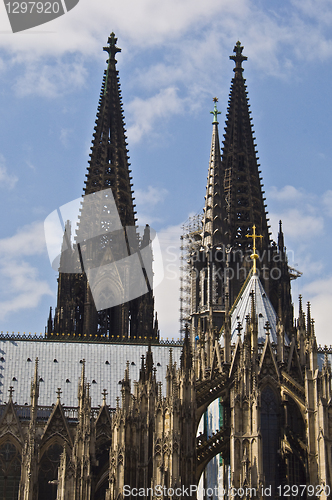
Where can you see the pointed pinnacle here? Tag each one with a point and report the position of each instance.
(238, 58)
(300, 305)
(309, 322)
(112, 49)
(11, 390)
(215, 112)
(35, 380)
(267, 328)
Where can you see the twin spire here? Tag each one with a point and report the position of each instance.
(234, 200)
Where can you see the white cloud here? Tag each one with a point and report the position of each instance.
(327, 202)
(151, 196)
(65, 135)
(50, 80)
(29, 240)
(22, 287)
(189, 33)
(146, 112)
(167, 293)
(297, 222)
(319, 293)
(6, 179)
(288, 194)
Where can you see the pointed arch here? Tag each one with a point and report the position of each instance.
(48, 469)
(270, 432)
(10, 468)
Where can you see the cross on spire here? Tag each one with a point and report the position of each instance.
(112, 49)
(11, 390)
(239, 328)
(254, 255)
(104, 393)
(59, 392)
(215, 111)
(238, 58)
(267, 328)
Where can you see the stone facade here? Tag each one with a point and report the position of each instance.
(242, 351)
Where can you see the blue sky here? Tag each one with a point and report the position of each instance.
(174, 60)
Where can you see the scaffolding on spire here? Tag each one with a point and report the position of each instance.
(190, 242)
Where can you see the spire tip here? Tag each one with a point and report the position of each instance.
(238, 58)
(215, 111)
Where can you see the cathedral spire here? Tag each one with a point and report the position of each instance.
(242, 187)
(214, 209)
(109, 163)
(94, 298)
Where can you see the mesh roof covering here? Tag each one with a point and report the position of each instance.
(60, 366)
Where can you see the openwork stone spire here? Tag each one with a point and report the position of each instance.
(109, 163)
(242, 187)
(214, 210)
(99, 294)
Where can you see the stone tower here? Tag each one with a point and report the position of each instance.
(234, 203)
(96, 269)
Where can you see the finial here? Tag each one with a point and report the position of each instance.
(186, 336)
(215, 111)
(300, 304)
(313, 327)
(59, 393)
(117, 402)
(238, 58)
(127, 371)
(309, 323)
(239, 328)
(254, 255)
(267, 328)
(112, 49)
(253, 309)
(104, 393)
(11, 390)
(170, 358)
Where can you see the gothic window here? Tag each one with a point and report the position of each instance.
(48, 472)
(10, 471)
(101, 491)
(296, 428)
(295, 420)
(245, 418)
(270, 437)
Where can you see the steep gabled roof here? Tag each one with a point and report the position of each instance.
(263, 309)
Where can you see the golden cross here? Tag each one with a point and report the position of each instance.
(254, 255)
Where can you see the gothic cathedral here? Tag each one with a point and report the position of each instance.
(241, 407)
